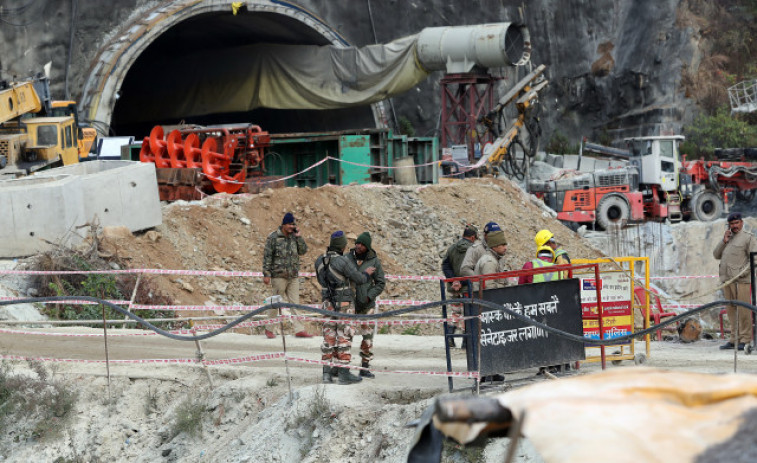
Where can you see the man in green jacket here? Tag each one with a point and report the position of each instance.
(452, 267)
(365, 294)
(281, 267)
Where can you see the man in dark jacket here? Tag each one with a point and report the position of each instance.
(452, 267)
(336, 272)
(366, 295)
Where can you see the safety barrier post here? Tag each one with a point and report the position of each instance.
(600, 312)
(445, 328)
(200, 353)
(286, 360)
(107, 357)
(133, 297)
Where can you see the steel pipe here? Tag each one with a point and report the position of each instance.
(462, 48)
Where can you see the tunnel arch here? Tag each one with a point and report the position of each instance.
(130, 69)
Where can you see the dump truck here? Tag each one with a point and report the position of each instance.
(32, 137)
(654, 183)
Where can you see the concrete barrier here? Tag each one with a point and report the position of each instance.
(52, 206)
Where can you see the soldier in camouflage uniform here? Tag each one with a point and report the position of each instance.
(281, 267)
(451, 266)
(366, 294)
(336, 272)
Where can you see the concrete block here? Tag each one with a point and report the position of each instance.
(51, 206)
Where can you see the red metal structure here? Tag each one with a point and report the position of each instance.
(465, 98)
(225, 155)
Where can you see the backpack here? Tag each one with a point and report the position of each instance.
(322, 271)
(327, 282)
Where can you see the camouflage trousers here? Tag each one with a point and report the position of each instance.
(366, 331)
(456, 310)
(366, 346)
(337, 337)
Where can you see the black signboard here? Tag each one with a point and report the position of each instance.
(507, 344)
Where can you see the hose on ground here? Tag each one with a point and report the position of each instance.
(479, 302)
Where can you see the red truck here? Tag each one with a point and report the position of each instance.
(655, 184)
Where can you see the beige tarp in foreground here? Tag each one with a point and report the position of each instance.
(634, 415)
(281, 76)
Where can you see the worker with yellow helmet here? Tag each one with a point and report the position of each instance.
(547, 253)
(547, 238)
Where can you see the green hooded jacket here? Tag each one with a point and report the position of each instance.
(367, 293)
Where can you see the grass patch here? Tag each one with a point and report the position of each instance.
(188, 416)
(151, 400)
(454, 452)
(317, 412)
(102, 286)
(40, 402)
(414, 330)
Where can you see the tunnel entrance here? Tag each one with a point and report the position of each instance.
(163, 76)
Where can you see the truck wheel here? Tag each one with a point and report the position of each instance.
(613, 211)
(706, 206)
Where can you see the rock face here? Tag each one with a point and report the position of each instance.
(612, 64)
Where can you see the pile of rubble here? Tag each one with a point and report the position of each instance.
(411, 228)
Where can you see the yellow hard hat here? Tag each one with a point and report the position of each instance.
(542, 237)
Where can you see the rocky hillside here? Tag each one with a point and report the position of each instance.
(611, 63)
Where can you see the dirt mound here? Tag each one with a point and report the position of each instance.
(411, 228)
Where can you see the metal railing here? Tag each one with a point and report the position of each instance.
(743, 96)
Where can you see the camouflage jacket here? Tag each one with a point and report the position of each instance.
(281, 258)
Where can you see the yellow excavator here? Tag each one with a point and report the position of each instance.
(37, 133)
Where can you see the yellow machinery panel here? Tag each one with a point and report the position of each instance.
(18, 99)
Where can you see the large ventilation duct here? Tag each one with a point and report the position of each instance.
(461, 49)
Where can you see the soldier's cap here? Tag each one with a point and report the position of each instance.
(733, 216)
(491, 227)
(338, 240)
(470, 230)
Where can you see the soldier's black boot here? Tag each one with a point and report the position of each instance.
(366, 373)
(451, 340)
(346, 377)
(327, 379)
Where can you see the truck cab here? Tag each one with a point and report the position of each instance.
(87, 135)
(50, 141)
(657, 160)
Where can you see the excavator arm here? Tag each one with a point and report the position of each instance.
(525, 95)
